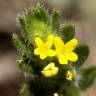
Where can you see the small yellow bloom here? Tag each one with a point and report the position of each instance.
(65, 51)
(70, 74)
(44, 49)
(56, 94)
(50, 70)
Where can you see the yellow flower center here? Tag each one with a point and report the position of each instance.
(44, 49)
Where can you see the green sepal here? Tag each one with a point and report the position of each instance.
(88, 76)
(55, 22)
(67, 32)
(82, 51)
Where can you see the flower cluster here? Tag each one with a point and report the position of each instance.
(55, 46)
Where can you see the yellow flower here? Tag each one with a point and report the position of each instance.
(44, 49)
(50, 70)
(65, 51)
(70, 74)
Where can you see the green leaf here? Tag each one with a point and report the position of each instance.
(73, 91)
(37, 23)
(25, 67)
(70, 89)
(67, 32)
(22, 25)
(37, 13)
(88, 77)
(25, 90)
(20, 45)
(82, 51)
(55, 22)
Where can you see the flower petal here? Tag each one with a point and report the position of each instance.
(39, 42)
(50, 70)
(51, 53)
(43, 55)
(55, 71)
(36, 51)
(49, 41)
(49, 66)
(63, 59)
(47, 73)
(71, 45)
(59, 44)
(72, 56)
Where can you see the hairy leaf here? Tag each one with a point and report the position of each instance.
(37, 23)
(67, 32)
(20, 45)
(22, 25)
(82, 51)
(88, 77)
(25, 90)
(55, 22)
